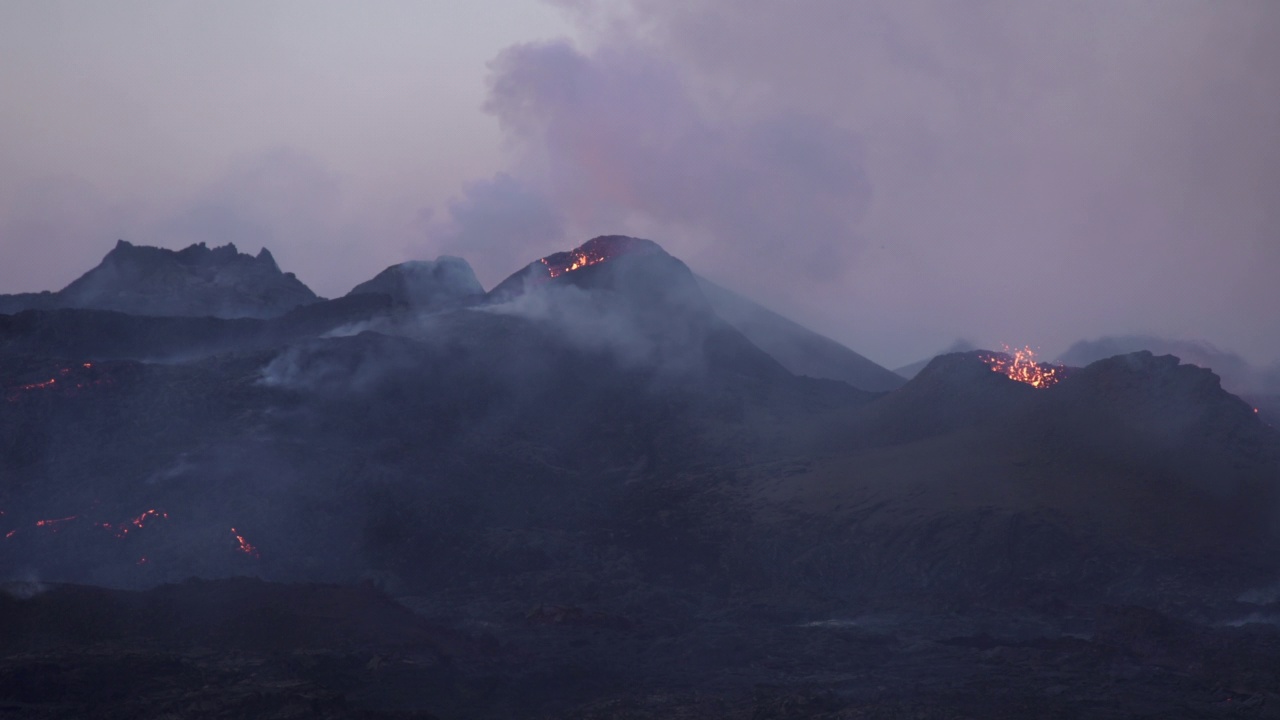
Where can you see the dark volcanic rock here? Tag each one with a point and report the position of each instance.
(1237, 374)
(1144, 406)
(102, 334)
(194, 282)
(953, 391)
(444, 282)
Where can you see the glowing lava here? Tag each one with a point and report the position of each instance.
(592, 252)
(122, 529)
(56, 523)
(68, 380)
(1021, 365)
(244, 545)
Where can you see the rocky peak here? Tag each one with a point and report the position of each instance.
(195, 281)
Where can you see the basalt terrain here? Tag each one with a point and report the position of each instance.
(607, 488)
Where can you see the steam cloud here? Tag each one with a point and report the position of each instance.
(1042, 173)
(614, 139)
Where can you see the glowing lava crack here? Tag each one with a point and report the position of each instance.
(593, 252)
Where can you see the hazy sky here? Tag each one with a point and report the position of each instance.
(894, 173)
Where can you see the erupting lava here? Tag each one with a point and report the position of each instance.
(56, 523)
(67, 379)
(592, 252)
(1021, 365)
(244, 545)
(124, 529)
(120, 530)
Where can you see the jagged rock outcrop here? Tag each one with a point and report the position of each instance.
(196, 281)
(1238, 375)
(444, 282)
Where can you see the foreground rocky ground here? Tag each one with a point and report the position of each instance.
(247, 648)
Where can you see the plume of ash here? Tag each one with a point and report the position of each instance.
(24, 589)
(614, 141)
(585, 320)
(354, 363)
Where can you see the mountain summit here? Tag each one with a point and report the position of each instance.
(195, 281)
(595, 251)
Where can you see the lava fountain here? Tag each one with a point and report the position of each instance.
(1020, 364)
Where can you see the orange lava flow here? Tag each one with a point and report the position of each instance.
(578, 260)
(148, 515)
(122, 529)
(244, 545)
(55, 523)
(1021, 365)
(68, 380)
(593, 252)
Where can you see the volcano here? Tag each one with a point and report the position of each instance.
(605, 488)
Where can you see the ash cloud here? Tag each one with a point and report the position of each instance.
(1041, 172)
(616, 138)
(496, 222)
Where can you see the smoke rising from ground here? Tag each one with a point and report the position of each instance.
(614, 138)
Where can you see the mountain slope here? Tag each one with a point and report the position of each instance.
(798, 348)
(911, 370)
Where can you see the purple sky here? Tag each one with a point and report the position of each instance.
(895, 174)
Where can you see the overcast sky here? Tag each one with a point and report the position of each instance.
(896, 174)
